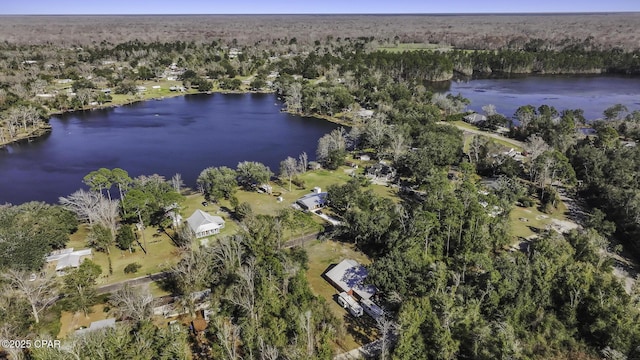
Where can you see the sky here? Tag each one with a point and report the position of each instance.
(46, 7)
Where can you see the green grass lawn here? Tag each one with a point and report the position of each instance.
(526, 221)
(266, 204)
(150, 93)
(157, 291)
(465, 125)
(504, 141)
(161, 253)
(322, 254)
(194, 202)
(70, 322)
(386, 191)
(467, 138)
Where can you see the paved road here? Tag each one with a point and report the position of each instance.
(137, 281)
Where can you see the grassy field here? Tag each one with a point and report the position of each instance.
(157, 291)
(322, 254)
(462, 124)
(528, 221)
(161, 253)
(268, 204)
(497, 138)
(415, 47)
(150, 93)
(69, 322)
(195, 201)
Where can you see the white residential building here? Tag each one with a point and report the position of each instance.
(203, 224)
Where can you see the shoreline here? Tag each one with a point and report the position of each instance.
(35, 133)
(47, 128)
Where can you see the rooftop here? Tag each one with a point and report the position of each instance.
(199, 218)
(67, 257)
(97, 325)
(348, 276)
(313, 200)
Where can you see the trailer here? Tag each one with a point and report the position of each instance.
(348, 302)
(372, 309)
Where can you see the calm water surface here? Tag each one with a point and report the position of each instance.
(187, 134)
(177, 135)
(593, 94)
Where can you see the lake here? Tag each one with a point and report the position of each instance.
(593, 94)
(187, 134)
(177, 135)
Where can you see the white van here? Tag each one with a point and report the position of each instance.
(346, 301)
(372, 309)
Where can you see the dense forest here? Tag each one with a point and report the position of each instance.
(455, 283)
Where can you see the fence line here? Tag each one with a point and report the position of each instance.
(302, 240)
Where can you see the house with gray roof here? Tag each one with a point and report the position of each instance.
(68, 258)
(203, 224)
(475, 118)
(349, 276)
(98, 325)
(315, 200)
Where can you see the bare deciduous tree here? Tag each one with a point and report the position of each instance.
(376, 132)
(307, 326)
(289, 168)
(229, 336)
(135, 303)
(82, 203)
(83, 96)
(397, 145)
(267, 352)
(386, 327)
(192, 271)
(303, 162)
(177, 183)
(333, 141)
(243, 294)
(535, 146)
(489, 109)
(475, 148)
(228, 255)
(525, 118)
(294, 97)
(106, 214)
(40, 292)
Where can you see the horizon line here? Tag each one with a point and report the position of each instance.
(343, 14)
